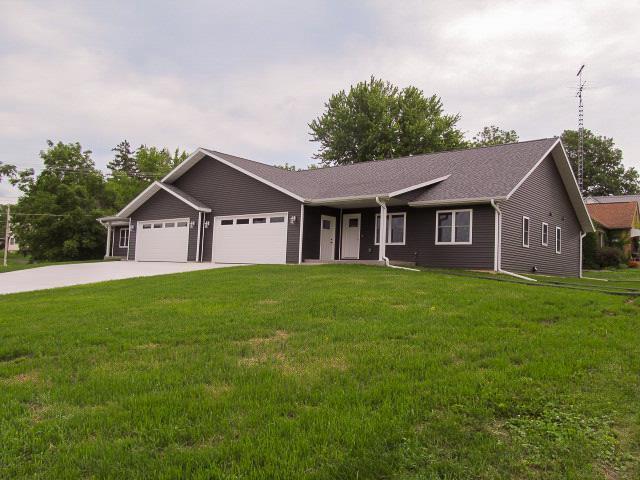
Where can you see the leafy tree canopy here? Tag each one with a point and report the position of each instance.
(154, 163)
(56, 217)
(377, 120)
(604, 172)
(493, 135)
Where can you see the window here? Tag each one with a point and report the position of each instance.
(124, 238)
(242, 221)
(169, 225)
(276, 220)
(157, 225)
(525, 232)
(226, 222)
(454, 227)
(326, 224)
(182, 224)
(260, 220)
(545, 234)
(353, 223)
(396, 226)
(146, 226)
(558, 240)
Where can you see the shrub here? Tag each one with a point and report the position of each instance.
(634, 264)
(609, 257)
(589, 251)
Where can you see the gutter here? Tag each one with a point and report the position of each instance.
(383, 237)
(497, 262)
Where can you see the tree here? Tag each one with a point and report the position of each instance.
(8, 171)
(377, 120)
(604, 172)
(56, 217)
(124, 160)
(286, 166)
(493, 135)
(154, 163)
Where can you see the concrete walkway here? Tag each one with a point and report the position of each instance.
(41, 278)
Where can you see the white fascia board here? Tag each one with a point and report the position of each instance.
(419, 185)
(199, 154)
(323, 201)
(455, 201)
(180, 197)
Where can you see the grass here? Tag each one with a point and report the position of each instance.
(17, 261)
(336, 371)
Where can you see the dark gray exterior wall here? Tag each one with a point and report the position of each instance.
(229, 192)
(543, 198)
(115, 242)
(162, 205)
(420, 244)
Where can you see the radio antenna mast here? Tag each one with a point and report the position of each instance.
(581, 85)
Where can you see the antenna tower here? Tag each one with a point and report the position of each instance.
(581, 85)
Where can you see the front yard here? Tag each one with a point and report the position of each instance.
(336, 371)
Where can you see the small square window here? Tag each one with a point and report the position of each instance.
(182, 224)
(169, 225)
(326, 224)
(260, 220)
(228, 221)
(276, 220)
(242, 221)
(353, 223)
(157, 225)
(146, 226)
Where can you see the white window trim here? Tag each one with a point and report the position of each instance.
(453, 226)
(120, 244)
(544, 225)
(526, 245)
(558, 244)
(404, 228)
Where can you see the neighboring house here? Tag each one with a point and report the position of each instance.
(617, 222)
(513, 207)
(13, 244)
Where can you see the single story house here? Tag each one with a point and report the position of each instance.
(617, 220)
(513, 207)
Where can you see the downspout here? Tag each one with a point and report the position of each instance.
(383, 238)
(497, 261)
(582, 235)
(198, 237)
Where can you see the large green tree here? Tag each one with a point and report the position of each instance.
(377, 120)
(154, 163)
(493, 135)
(604, 172)
(56, 215)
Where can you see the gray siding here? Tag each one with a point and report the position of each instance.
(229, 192)
(163, 205)
(115, 241)
(420, 244)
(543, 198)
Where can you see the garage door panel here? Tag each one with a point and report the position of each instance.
(162, 240)
(250, 239)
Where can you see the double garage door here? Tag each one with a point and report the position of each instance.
(260, 238)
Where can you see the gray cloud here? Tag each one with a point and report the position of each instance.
(248, 77)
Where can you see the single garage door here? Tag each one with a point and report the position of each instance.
(163, 240)
(260, 238)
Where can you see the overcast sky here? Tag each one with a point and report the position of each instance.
(247, 77)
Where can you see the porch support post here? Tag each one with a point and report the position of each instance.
(108, 252)
(382, 250)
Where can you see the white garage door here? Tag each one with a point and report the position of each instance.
(260, 238)
(162, 240)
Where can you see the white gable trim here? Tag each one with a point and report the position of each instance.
(417, 186)
(148, 192)
(561, 161)
(199, 154)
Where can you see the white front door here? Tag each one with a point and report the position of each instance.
(258, 238)
(162, 240)
(327, 237)
(351, 235)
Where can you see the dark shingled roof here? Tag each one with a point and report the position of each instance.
(487, 172)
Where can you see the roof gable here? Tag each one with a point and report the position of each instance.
(615, 215)
(148, 192)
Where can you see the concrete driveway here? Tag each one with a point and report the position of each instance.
(54, 276)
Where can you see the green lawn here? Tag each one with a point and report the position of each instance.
(17, 261)
(335, 371)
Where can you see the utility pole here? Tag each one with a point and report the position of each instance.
(6, 235)
(581, 85)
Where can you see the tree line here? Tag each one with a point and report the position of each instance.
(55, 218)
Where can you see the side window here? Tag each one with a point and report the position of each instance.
(525, 232)
(558, 240)
(545, 234)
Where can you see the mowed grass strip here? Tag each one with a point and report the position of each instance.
(336, 371)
